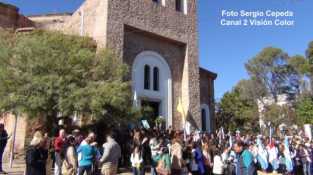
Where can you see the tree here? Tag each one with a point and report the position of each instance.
(250, 89)
(235, 112)
(278, 114)
(304, 110)
(48, 73)
(270, 69)
(309, 70)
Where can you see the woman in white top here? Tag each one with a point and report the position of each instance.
(218, 164)
(137, 161)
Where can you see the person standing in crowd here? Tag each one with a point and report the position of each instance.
(244, 164)
(272, 155)
(154, 147)
(198, 159)
(311, 156)
(111, 155)
(3, 142)
(69, 166)
(137, 138)
(164, 162)
(177, 155)
(36, 156)
(145, 149)
(86, 155)
(137, 161)
(59, 148)
(305, 159)
(78, 137)
(208, 161)
(95, 164)
(46, 145)
(218, 164)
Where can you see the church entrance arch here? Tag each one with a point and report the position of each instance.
(152, 84)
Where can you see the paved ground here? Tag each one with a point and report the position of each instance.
(19, 167)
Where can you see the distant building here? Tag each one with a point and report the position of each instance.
(282, 100)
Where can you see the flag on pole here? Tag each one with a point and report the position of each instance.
(288, 160)
(262, 154)
(135, 99)
(271, 135)
(230, 139)
(181, 110)
(223, 134)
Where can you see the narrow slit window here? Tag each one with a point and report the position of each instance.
(156, 79)
(203, 118)
(147, 77)
(179, 5)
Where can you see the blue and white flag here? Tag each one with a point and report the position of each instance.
(288, 161)
(262, 155)
(145, 124)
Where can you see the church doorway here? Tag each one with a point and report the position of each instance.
(152, 111)
(205, 118)
(154, 107)
(152, 84)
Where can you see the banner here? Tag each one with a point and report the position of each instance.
(145, 124)
(308, 130)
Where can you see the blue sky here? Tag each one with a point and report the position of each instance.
(223, 50)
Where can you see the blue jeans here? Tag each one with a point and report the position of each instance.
(307, 168)
(138, 171)
(153, 171)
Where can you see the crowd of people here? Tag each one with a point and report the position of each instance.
(169, 152)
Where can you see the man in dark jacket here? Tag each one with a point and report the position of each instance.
(36, 156)
(3, 142)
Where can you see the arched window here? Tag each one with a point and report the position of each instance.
(147, 77)
(203, 118)
(156, 79)
(142, 67)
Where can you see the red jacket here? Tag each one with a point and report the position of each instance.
(58, 143)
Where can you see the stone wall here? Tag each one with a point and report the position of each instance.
(207, 92)
(137, 41)
(10, 18)
(90, 19)
(166, 22)
(50, 21)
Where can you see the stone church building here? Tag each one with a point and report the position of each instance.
(158, 39)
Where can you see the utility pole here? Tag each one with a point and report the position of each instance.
(13, 141)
